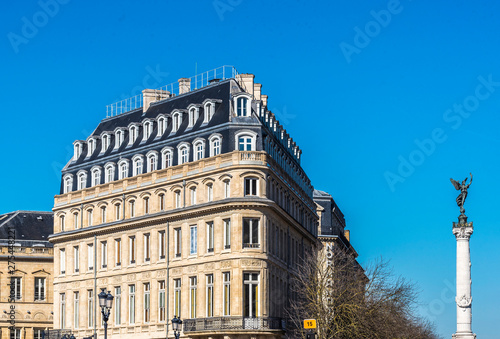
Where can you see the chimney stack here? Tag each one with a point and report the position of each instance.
(257, 88)
(152, 95)
(184, 85)
(246, 81)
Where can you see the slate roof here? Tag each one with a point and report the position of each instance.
(28, 225)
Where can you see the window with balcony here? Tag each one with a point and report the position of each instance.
(210, 295)
(193, 287)
(147, 302)
(161, 301)
(226, 294)
(177, 297)
(250, 295)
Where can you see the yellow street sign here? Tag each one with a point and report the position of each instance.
(309, 323)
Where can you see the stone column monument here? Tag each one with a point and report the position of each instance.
(462, 231)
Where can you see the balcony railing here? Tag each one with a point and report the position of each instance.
(233, 323)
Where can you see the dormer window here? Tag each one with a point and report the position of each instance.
(215, 144)
(147, 130)
(241, 107)
(183, 151)
(119, 137)
(78, 149)
(198, 149)
(194, 114)
(242, 104)
(245, 141)
(166, 157)
(105, 142)
(96, 175)
(91, 146)
(138, 164)
(209, 111)
(176, 121)
(68, 183)
(109, 172)
(162, 125)
(152, 161)
(82, 179)
(133, 134)
(123, 169)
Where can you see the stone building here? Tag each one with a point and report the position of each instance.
(192, 203)
(26, 274)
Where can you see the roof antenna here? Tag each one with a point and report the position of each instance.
(195, 68)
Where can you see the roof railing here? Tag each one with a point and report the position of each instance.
(197, 81)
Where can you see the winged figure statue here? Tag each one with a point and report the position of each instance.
(462, 187)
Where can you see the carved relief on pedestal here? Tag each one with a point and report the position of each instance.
(463, 301)
(131, 277)
(146, 275)
(225, 264)
(251, 262)
(462, 233)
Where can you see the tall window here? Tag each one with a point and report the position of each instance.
(167, 158)
(227, 233)
(117, 211)
(193, 195)
(123, 173)
(161, 244)
(250, 233)
(146, 205)
(251, 186)
(138, 166)
(250, 294)
(62, 261)
(90, 308)
(161, 300)
(193, 286)
(147, 247)
(177, 297)
(131, 304)
(15, 287)
(161, 201)
(227, 188)
(215, 145)
(147, 302)
(193, 243)
(210, 192)
(76, 258)
(118, 252)
(68, 183)
(176, 122)
(76, 309)
(118, 305)
(90, 256)
(105, 142)
(61, 221)
(90, 217)
(226, 296)
(82, 181)
(210, 237)
(210, 295)
(177, 197)
(148, 127)
(199, 150)
(75, 220)
(177, 242)
(96, 177)
(62, 298)
(103, 214)
(132, 134)
(119, 138)
(131, 205)
(183, 154)
(39, 288)
(15, 333)
(104, 254)
(131, 249)
(161, 126)
(152, 162)
(109, 173)
(241, 107)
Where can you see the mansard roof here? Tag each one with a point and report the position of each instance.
(28, 225)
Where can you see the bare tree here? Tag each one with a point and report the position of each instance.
(349, 302)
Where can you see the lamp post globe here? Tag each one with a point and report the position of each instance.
(176, 326)
(105, 302)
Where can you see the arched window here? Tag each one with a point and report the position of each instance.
(146, 205)
(177, 197)
(138, 164)
(62, 223)
(161, 201)
(152, 161)
(162, 125)
(68, 183)
(215, 144)
(91, 146)
(227, 188)
(176, 121)
(198, 149)
(209, 111)
(78, 148)
(193, 116)
(109, 172)
(123, 169)
(105, 141)
(103, 214)
(96, 175)
(210, 192)
(166, 157)
(75, 220)
(133, 134)
(193, 195)
(183, 151)
(90, 217)
(241, 107)
(82, 179)
(119, 137)
(147, 130)
(245, 141)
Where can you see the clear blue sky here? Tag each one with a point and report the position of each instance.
(358, 95)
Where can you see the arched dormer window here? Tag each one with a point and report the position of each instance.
(147, 127)
(105, 141)
(133, 133)
(167, 155)
(109, 172)
(242, 103)
(162, 125)
(209, 109)
(183, 152)
(215, 144)
(78, 149)
(194, 114)
(67, 183)
(96, 175)
(123, 168)
(176, 121)
(138, 163)
(91, 145)
(245, 140)
(198, 149)
(152, 161)
(82, 179)
(119, 137)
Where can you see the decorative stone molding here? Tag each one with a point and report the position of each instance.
(463, 301)
(463, 233)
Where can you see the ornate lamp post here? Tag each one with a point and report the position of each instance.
(105, 302)
(176, 326)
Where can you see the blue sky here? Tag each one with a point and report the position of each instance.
(387, 99)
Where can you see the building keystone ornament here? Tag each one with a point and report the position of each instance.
(463, 231)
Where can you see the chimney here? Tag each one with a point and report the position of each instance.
(152, 95)
(184, 85)
(246, 82)
(257, 91)
(263, 97)
(347, 234)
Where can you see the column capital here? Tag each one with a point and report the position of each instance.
(463, 232)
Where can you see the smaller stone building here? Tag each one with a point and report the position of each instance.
(26, 274)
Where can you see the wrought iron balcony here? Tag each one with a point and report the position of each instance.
(232, 323)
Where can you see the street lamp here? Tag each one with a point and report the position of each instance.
(176, 326)
(105, 302)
